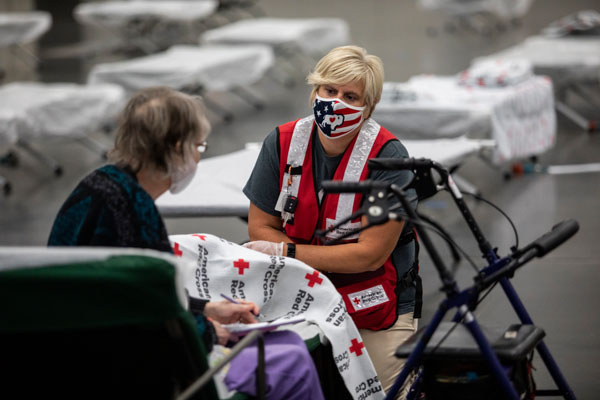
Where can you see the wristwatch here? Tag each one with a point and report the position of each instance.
(291, 250)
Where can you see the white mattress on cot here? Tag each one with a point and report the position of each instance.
(23, 27)
(216, 189)
(117, 14)
(564, 59)
(311, 35)
(34, 109)
(558, 52)
(506, 9)
(213, 67)
(519, 118)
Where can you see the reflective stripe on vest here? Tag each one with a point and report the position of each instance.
(370, 297)
(356, 164)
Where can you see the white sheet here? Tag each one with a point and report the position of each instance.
(282, 287)
(213, 67)
(117, 14)
(562, 58)
(216, 189)
(34, 109)
(17, 27)
(311, 35)
(520, 118)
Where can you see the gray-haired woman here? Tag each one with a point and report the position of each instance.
(160, 138)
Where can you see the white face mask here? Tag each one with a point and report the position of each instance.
(182, 176)
(336, 118)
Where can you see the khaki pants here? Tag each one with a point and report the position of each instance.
(382, 345)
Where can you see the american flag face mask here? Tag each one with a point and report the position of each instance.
(336, 118)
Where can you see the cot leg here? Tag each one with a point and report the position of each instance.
(575, 117)
(281, 76)
(586, 94)
(6, 187)
(290, 52)
(9, 159)
(225, 114)
(30, 59)
(249, 97)
(94, 146)
(50, 162)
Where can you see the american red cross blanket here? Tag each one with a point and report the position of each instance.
(283, 288)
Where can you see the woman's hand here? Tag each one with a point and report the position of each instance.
(226, 312)
(223, 335)
(266, 247)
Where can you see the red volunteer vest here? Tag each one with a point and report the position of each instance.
(370, 297)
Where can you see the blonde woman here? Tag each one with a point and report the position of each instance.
(376, 271)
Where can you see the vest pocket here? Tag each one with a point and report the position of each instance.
(371, 304)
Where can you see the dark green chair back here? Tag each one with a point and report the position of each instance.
(108, 328)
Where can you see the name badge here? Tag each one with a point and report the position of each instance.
(368, 298)
(347, 227)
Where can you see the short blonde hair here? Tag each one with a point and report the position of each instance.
(159, 128)
(348, 64)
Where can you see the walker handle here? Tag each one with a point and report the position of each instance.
(560, 233)
(400, 163)
(353, 187)
(538, 248)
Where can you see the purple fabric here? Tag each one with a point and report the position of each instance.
(289, 370)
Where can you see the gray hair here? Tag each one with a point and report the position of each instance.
(159, 128)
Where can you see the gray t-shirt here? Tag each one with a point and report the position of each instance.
(263, 191)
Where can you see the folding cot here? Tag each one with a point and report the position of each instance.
(520, 118)
(31, 111)
(23, 27)
(17, 28)
(192, 69)
(148, 25)
(216, 190)
(572, 62)
(299, 39)
(313, 36)
(481, 16)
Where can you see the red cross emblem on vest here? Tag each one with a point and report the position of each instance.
(356, 300)
(313, 278)
(241, 265)
(356, 347)
(176, 250)
(202, 237)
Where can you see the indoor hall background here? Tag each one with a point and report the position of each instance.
(560, 290)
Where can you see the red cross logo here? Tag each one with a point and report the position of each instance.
(202, 237)
(356, 347)
(356, 300)
(241, 264)
(176, 250)
(313, 278)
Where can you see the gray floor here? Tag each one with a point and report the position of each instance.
(560, 290)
